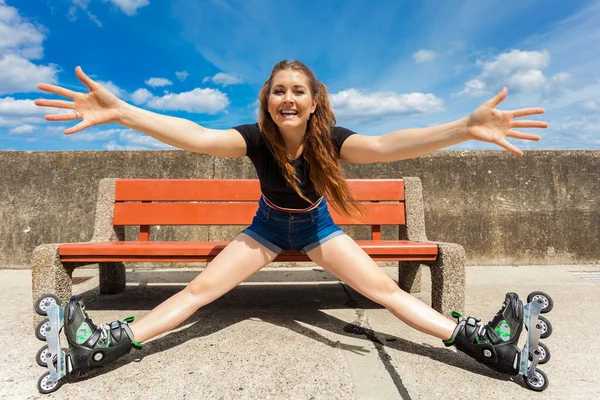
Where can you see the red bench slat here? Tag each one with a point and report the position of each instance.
(238, 189)
(233, 214)
(380, 250)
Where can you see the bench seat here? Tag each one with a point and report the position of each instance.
(132, 251)
(141, 204)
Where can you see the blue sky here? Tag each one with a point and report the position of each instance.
(388, 65)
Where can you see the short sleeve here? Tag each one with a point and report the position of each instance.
(339, 136)
(251, 134)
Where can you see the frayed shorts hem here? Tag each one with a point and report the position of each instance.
(316, 244)
(274, 248)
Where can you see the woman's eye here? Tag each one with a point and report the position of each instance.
(278, 91)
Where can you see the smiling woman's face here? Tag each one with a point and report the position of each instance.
(290, 101)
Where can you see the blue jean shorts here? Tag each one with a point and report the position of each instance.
(303, 231)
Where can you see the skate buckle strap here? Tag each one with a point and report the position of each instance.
(104, 335)
(135, 344)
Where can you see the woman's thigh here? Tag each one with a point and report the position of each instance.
(239, 260)
(344, 258)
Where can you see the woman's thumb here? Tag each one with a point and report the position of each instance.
(87, 81)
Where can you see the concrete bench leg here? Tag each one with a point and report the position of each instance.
(409, 276)
(112, 277)
(448, 278)
(50, 276)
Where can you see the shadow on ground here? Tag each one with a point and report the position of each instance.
(286, 299)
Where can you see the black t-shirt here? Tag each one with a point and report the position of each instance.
(272, 183)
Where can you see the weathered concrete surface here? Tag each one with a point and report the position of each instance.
(542, 208)
(298, 333)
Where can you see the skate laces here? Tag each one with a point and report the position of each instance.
(104, 340)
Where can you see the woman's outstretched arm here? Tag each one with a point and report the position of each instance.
(100, 106)
(486, 124)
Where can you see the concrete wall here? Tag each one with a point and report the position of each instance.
(542, 208)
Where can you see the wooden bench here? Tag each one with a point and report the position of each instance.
(151, 202)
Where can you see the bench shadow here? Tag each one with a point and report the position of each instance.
(300, 300)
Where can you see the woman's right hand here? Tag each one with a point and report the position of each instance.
(97, 107)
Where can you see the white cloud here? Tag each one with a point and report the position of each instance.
(223, 79)
(8, 121)
(210, 101)
(141, 96)
(82, 5)
(513, 62)
(18, 36)
(129, 7)
(423, 56)
(15, 113)
(356, 105)
(158, 82)
(577, 132)
(11, 106)
(182, 76)
(19, 75)
(114, 89)
(592, 105)
(22, 129)
(474, 87)
(95, 134)
(137, 141)
(520, 71)
(21, 41)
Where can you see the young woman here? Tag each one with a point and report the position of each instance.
(296, 148)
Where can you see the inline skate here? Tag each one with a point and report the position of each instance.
(495, 343)
(89, 345)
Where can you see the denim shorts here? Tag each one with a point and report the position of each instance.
(302, 231)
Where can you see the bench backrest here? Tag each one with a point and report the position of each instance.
(147, 202)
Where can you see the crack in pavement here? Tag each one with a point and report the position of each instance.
(361, 327)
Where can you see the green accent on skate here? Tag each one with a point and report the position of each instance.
(137, 345)
(129, 319)
(503, 330)
(83, 333)
(449, 341)
(455, 314)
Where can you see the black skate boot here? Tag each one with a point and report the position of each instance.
(495, 343)
(91, 345)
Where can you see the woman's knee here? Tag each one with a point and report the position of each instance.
(385, 290)
(203, 291)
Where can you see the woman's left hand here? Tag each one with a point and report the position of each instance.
(488, 124)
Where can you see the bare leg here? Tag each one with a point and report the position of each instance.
(237, 262)
(347, 261)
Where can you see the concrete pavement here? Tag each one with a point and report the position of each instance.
(300, 334)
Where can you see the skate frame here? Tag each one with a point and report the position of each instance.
(531, 312)
(56, 321)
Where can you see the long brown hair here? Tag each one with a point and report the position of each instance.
(319, 152)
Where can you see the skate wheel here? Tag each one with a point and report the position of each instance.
(42, 356)
(45, 384)
(545, 326)
(539, 381)
(544, 354)
(543, 298)
(45, 301)
(42, 329)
